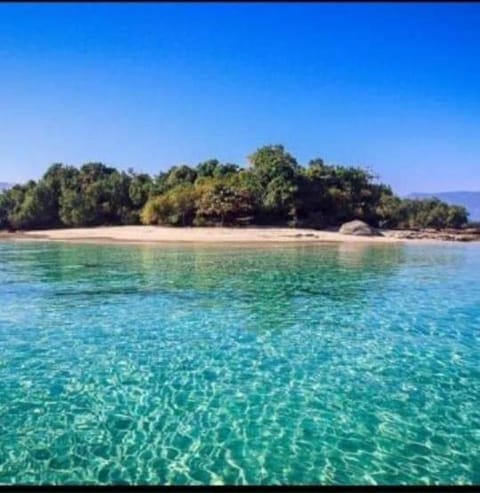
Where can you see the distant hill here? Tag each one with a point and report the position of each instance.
(470, 200)
(4, 186)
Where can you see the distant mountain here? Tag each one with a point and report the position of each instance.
(470, 200)
(4, 186)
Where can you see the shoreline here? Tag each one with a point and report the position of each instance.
(207, 235)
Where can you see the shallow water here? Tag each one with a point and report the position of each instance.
(332, 364)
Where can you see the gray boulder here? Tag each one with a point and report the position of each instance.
(358, 228)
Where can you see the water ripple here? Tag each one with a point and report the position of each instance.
(337, 364)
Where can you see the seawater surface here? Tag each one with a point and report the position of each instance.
(328, 364)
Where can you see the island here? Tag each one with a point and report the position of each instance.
(273, 198)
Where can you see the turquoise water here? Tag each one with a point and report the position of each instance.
(335, 364)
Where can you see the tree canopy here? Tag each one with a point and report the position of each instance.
(273, 189)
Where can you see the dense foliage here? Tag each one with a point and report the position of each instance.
(274, 189)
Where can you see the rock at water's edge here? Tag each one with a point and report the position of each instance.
(358, 228)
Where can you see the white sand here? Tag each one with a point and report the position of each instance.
(160, 234)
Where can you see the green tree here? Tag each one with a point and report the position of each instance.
(175, 207)
(14, 199)
(6, 205)
(277, 172)
(75, 209)
(214, 169)
(271, 162)
(457, 216)
(37, 210)
(180, 175)
(206, 169)
(140, 189)
(220, 202)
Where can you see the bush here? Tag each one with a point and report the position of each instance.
(175, 207)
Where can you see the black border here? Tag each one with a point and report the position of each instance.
(296, 488)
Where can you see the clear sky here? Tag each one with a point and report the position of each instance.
(395, 87)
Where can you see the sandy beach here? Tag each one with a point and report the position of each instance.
(213, 235)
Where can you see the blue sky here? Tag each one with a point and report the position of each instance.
(395, 87)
